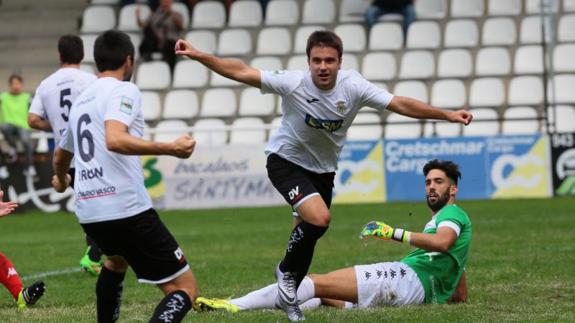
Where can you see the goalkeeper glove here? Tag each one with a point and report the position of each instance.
(380, 230)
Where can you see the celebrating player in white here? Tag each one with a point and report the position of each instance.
(49, 112)
(104, 132)
(318, 106)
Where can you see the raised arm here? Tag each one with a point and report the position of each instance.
(420, 110)
(229, 68)
(120, 141)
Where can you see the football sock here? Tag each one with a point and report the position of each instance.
(95, 253)
(300, 249)
(349, 305)
(264, 298)
(172, 308)
(9, 277)
(310, 304)
(109, 295)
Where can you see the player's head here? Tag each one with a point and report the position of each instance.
(441, 178)
(15, 82)
(113, 50)
(166, 5)
(71, 49)
(324, 50)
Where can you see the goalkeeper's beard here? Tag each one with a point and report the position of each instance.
(439, 203)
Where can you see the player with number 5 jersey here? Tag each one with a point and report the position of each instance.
(49, 112)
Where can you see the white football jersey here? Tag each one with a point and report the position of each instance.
(55, 95)
(108, 185)
(315, 122)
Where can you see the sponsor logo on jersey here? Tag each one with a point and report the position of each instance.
(86, 174)
(312, 100)
(96, 193)
(126, 105)
(340, 106)
(329, 125)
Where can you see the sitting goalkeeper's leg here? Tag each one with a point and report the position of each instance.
(263, 298)
(109, 288)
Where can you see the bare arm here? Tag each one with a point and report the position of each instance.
(178, 20)
(6, 207)
(229, 68)
(120, 141)
(420, 110)
(460, 293)
(141, 23)
(61, 166)
(439, 242)
(37, 122)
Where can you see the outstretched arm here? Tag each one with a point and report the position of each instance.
(420, 110)
(6, 207)
(229, 68)
(460, 293)
(443, 238)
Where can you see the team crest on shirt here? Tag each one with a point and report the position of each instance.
(126, 105)
(340, 105)
(329, 125)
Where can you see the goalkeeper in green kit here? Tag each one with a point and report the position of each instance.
(433, 273)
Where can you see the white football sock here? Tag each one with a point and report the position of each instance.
(265, 298)
(310, 304)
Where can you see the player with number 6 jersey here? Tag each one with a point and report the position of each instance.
(104, 134)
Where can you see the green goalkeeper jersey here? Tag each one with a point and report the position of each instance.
(439, 272)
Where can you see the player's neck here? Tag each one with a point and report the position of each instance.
(117, 74)
(66, 65)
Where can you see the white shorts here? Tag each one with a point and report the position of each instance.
(388, 284)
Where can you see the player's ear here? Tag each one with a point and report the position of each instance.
(453, 190)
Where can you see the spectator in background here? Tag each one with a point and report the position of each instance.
(14, 106)
(161, 30)
(379, 8)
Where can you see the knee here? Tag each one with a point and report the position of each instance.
(324, 219)
(116, 265)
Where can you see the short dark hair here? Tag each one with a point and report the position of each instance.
(450, 169)
(324, 38)
(15, 77)
(71, 49)
(111, 50)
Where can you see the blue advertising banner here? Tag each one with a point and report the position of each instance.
(360, 176)
(492, 167)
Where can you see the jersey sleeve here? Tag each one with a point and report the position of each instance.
(37, 107)
(374, 96)
(280, 82)
(124, 104)
(67, 140)
(451, 218)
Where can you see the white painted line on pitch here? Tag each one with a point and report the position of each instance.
(53, 273)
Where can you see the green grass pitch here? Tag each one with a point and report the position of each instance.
(521, 268)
